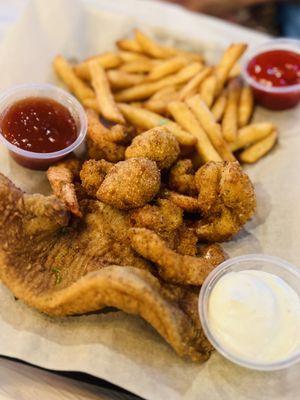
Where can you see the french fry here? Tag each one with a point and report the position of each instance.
(164, 93)
(246, 105)
(210, 126)
(121, 80)
(251, 134)
(219, 106)
(230, 117)
(138, 66)
(235, 71)
(65, 71)
(145, 90)
(259, 149)
(228, 60)
(192, 85)
(129, 45)
(189, 55)
(107, 60)
(129, 56)
(167, 67)
(159, 101)
(153, 48)
(142, 118)
(207, 90)
(91, 103)
(186, 119)
(105, 100)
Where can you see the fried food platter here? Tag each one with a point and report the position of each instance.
(95, 212)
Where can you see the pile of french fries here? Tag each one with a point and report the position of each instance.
(146, 84)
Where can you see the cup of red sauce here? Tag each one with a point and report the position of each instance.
(273, 72)
(40, 124)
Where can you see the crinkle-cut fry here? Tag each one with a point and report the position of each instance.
(246, 106)
(145, 119)
(193, 84)
(66, 73)
(145, 90)
(91, 103)
(186, 119)
(121, 80)
(259, 149)
(107, 60)
(138, 66)
(219, 106)
(230, 117)
(173, 267)
(251, 134)
(228, 60)
(167, 67)
(153, 48)
(235, 71)
(207, 90)
(210, 126)
(106, 103)
(129, 45)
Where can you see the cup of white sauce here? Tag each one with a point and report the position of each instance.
(249, 308)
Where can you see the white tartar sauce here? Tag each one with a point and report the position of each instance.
(255, 315)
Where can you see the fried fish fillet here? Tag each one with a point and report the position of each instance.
(64, 267)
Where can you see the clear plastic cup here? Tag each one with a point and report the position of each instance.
(274, 98)
(288, 272)
(41, 161)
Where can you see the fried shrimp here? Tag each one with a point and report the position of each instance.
(187, 203)
(174, 267)
(130, 184)
(226, 198)
(61, 178)
(157, 144)
(92, 175)
(182, 179)
(101, 141)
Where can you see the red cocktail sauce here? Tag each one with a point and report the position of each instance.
(276, 69)
(38, 125)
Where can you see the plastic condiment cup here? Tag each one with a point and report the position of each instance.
(286, 271)
(274, 98)
(41, 161)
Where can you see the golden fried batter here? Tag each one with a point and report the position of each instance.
(174, 267)
(130, 184)
(187, 240)
(157, 144)
(65, 270)
(182, 179)
(101, 141)
(92, 175)
(165, 216)
(226, 198)
(187, 203)
(61, 177)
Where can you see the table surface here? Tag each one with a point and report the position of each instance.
(23, 382)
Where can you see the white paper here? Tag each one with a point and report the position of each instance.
(120, 348)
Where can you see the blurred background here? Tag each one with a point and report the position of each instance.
(280, 18)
